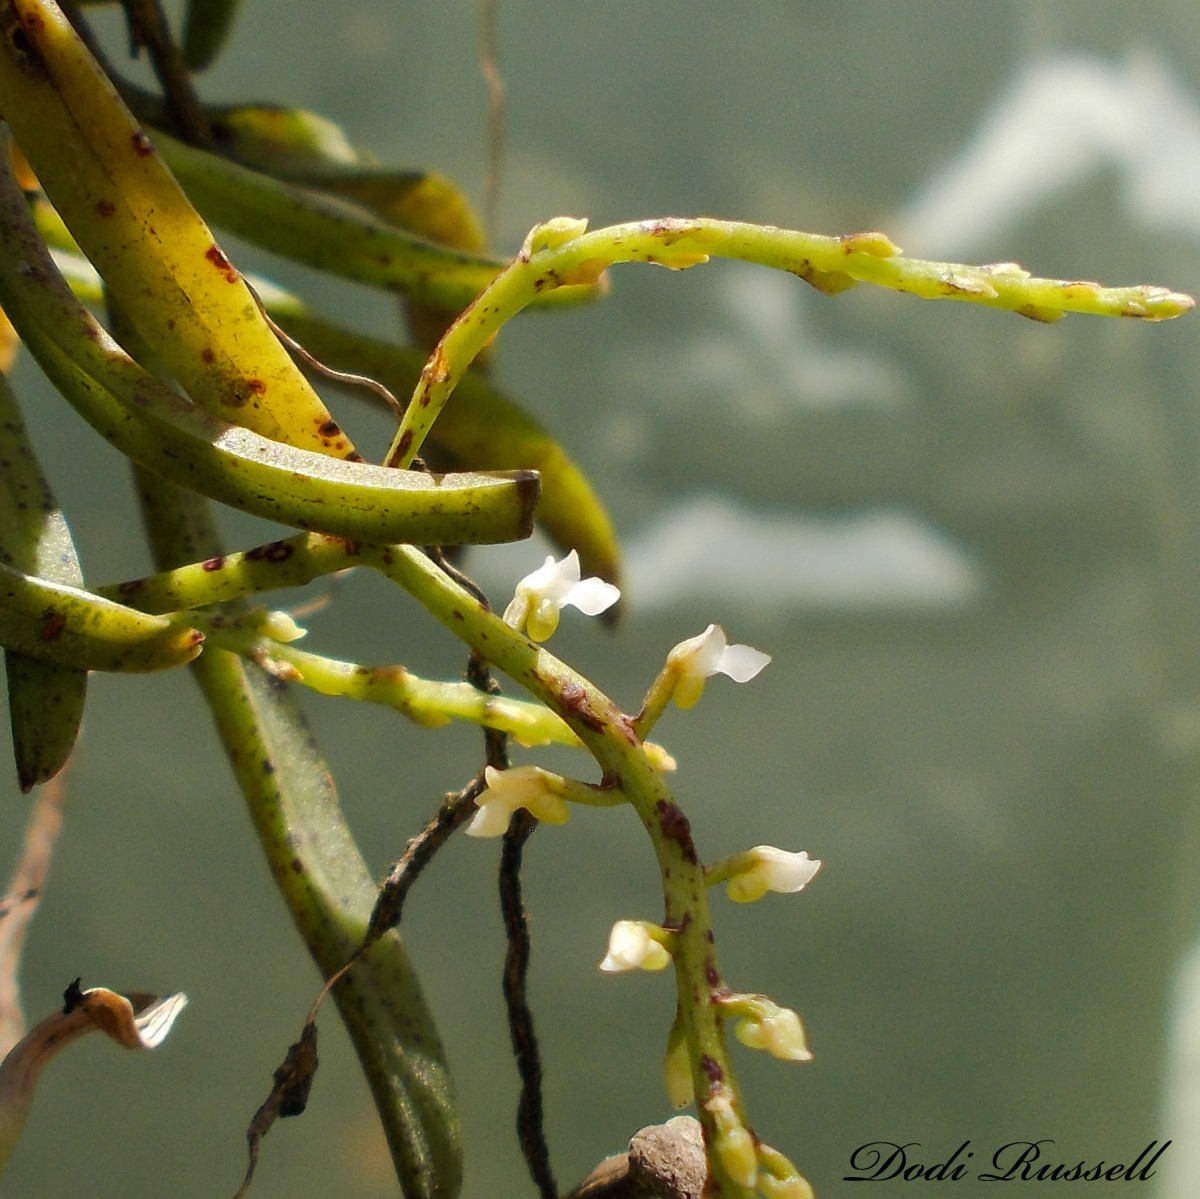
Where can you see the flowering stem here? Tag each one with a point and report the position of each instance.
(560, 254)
(730, 867)
(608, 735)
(424, 701)
(297, 560)
(658, 697)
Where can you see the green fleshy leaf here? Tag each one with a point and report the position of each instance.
(320, 872)
(480, 429)
(45, 699)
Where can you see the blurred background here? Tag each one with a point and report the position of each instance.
(970, 542)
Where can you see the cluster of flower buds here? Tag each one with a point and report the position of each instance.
(748, 1161)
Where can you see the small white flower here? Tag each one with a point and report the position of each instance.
(540, 596)
(632, 947)
(527, 787)
(700, 657)
(779, 1032)
(772, 869)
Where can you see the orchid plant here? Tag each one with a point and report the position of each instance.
(106, 195)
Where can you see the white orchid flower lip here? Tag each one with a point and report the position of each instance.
(541, 595)
(710, 653)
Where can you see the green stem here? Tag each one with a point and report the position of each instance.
(607, 734)
(223, 577)
(559, 254)
(291, 563)
(424, 701)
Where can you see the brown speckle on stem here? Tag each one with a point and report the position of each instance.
(674, 825)
(402, 447)
(575, 701)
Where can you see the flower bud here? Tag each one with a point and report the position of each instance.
(771, 869)
(732, 1143)
(632, 945)
(778, 1030)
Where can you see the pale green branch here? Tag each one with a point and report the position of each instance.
(562, 254)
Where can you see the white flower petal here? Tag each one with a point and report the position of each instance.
(592, 596)
(700, 654)
(155, 1022)
(771, 869)
(786, 872)
(491, 820)
(526, 787)
(552, 580)
(741, 662)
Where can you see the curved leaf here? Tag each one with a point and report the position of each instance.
(45, 699)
